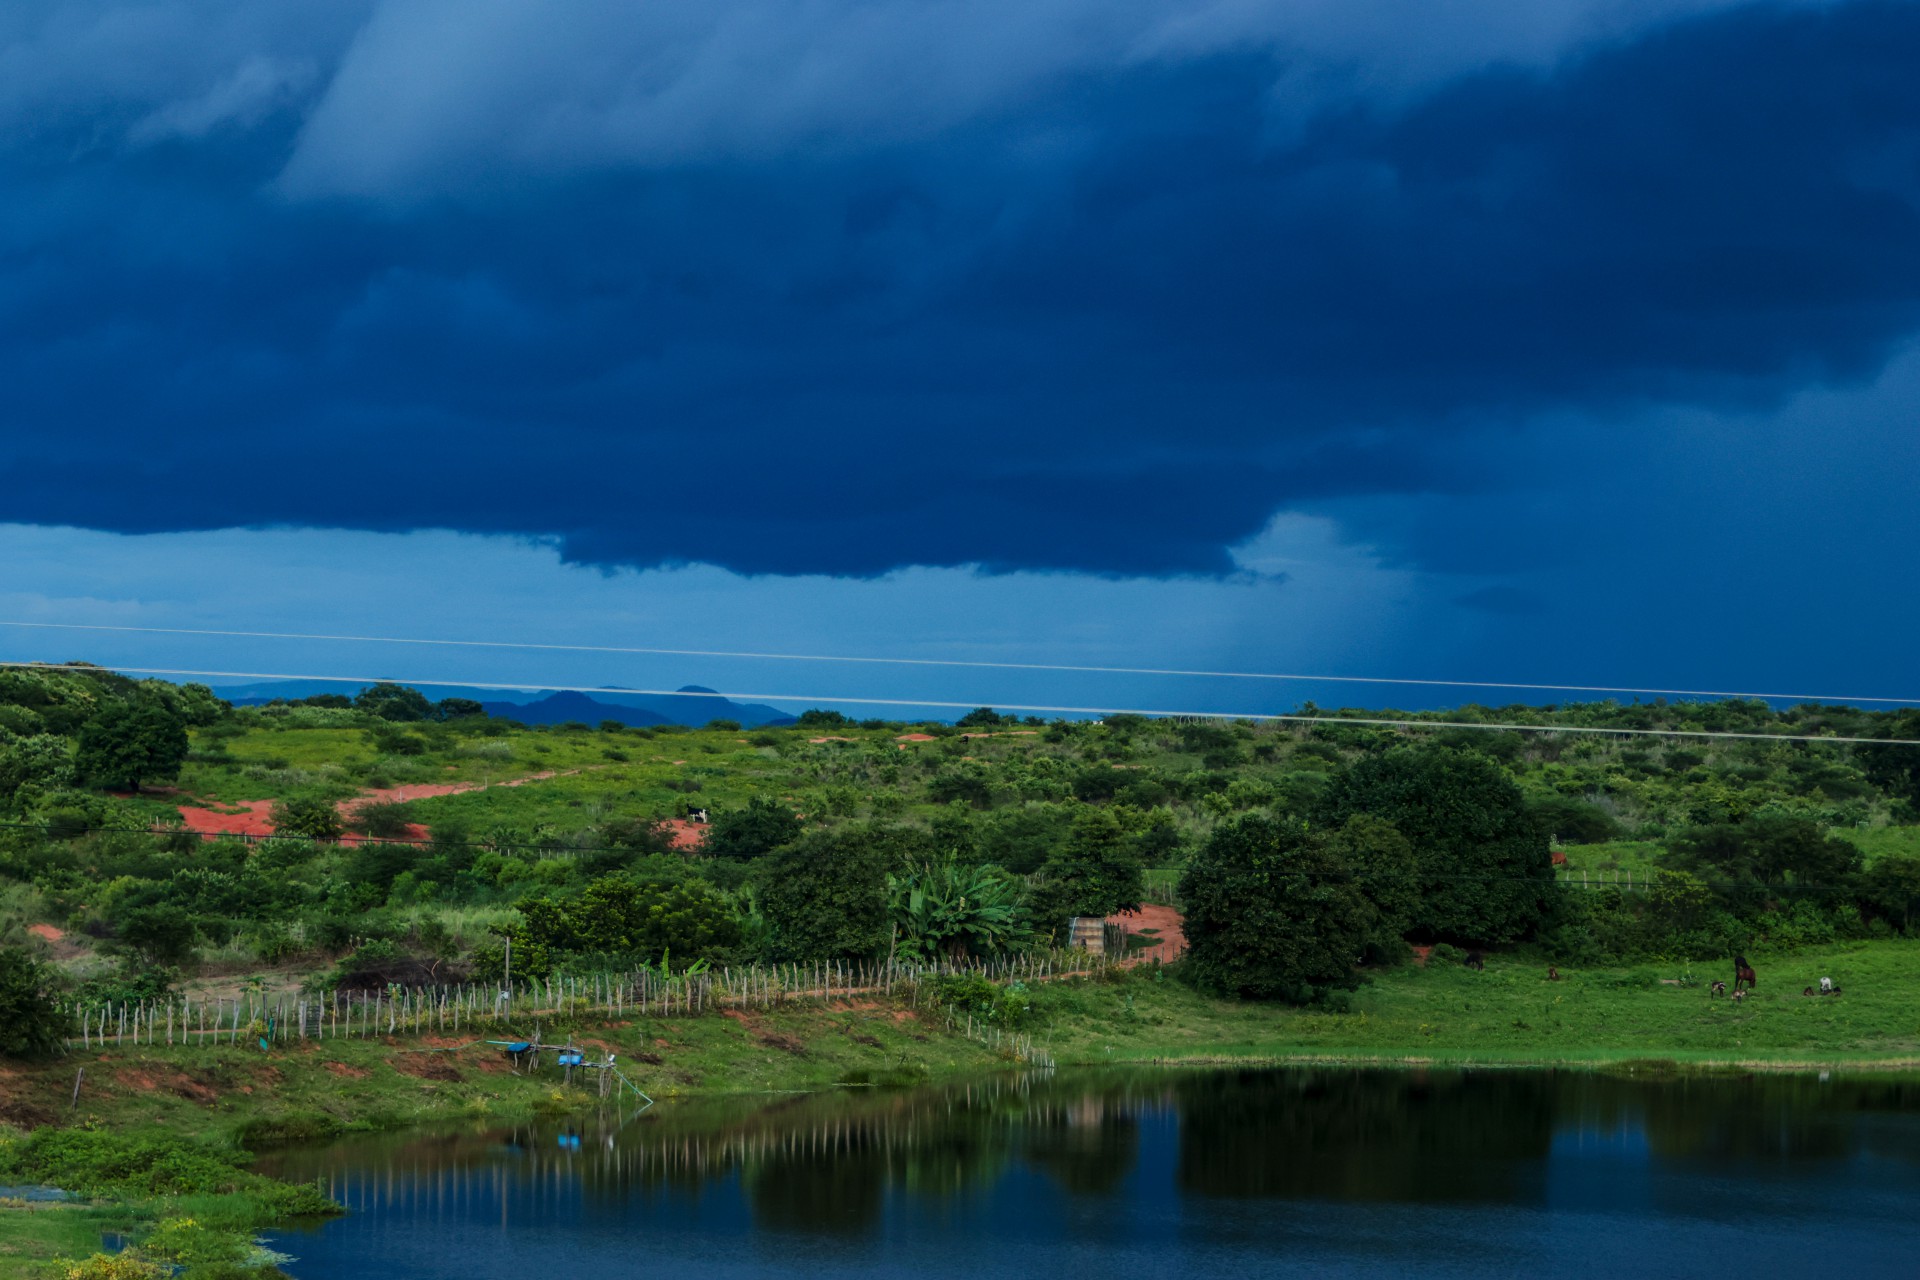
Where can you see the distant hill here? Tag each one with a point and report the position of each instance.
(535, 707)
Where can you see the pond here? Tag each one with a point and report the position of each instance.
(1218, 1174)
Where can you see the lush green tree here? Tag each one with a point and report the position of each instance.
(1276, 911)
(312, 817)
(161, 934)
(40, 760)
(825, 895)
(621, 914)
(951, 910)
(1751, 864)
(756, 828)
(1096, 872)
(125, 744)
(816, 718)
(465, 709)
(1486, 871)
(1891, 889)
(1385, 865)
(1021, 839)
(981, 718)
(393, 702)
(32, 1024)
(1573, 820)
(1895, 768)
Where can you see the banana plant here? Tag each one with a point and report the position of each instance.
(951, 910)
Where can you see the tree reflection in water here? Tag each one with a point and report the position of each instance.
(1015, 1158)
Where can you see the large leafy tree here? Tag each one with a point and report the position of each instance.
(1096, 872)
(825, 895)
(1895, 768)
(758, 827)
(32, 1024)
(125, 744)
(1485, 869)
(1767, 858)
(624, 915)
(1275, 910)
(393, 702)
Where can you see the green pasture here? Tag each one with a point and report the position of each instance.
(1512, 1013)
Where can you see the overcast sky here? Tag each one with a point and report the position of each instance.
(1573, 341)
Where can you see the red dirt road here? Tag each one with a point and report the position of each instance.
(1168, 940)
(255, 816)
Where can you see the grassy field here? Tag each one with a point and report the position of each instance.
(1878, 842)
(1511, 1013)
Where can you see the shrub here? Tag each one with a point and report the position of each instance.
(31, 1023)
(308, 816)
(825, 896)
(383, 819)
(748, 832)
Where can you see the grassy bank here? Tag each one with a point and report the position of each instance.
(235, 1097)
(1512, 1013)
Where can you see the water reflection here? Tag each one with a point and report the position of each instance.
(1245, 1172)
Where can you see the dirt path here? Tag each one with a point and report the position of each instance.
(254, 817)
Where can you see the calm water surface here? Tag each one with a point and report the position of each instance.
(1215, 1175)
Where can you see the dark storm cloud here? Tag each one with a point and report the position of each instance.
(1075, 305)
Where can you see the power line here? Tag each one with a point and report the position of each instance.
(964, 663)
(1157, 713)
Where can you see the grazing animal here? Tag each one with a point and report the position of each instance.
(1553, 974)
(1831, 991)
(1742, 973)
(1717, 989)
(1739, 995)
(696, 815)
(1475, 960)
(1807, 992)
(1826, 986)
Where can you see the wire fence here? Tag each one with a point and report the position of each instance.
(452, 1008)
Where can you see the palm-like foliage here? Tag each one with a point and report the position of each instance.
(950, 910)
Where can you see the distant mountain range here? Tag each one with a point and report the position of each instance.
(694, 705)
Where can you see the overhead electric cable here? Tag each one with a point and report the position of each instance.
(1287, 718)
(969, 663)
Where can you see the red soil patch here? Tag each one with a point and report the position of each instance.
(831, 739)
(254, 817)
(348, 1071)
(45, 931)
(1167, 941)
(251, 820)
(1420, 955)
(687, 835)
(425, 1066)
(914, 737)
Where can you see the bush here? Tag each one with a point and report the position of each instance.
(31, 1024)
(383, 819)
(825, 896)
(1486, 870)
(308, 816)
(1277, 911)
(749, 832)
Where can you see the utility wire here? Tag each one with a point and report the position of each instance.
(976, 664)
(1158, 713)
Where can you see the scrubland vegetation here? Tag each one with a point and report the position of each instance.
(416, 844)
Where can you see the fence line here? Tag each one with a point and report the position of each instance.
(450, 1008)
(1625, 881)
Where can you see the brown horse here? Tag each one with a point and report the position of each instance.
(1742, 973)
